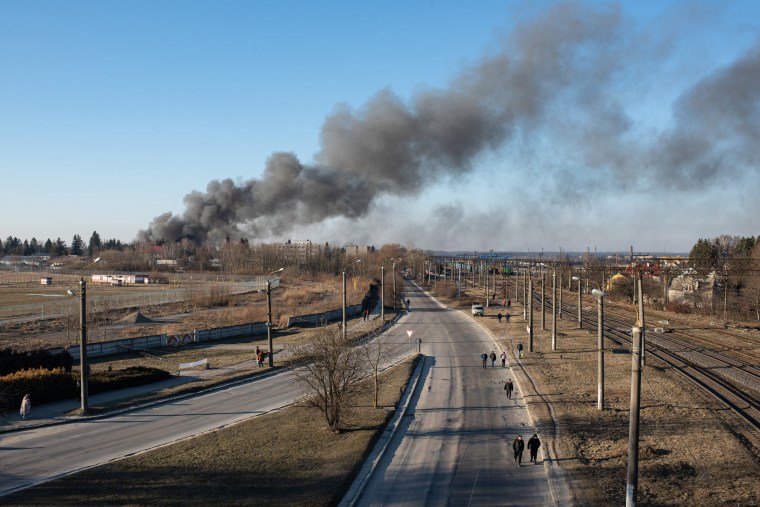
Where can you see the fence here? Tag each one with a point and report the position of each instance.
(163, 340)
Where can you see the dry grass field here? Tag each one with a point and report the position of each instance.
(198, 305)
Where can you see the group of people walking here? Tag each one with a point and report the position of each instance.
(519, 446)
(492, 356)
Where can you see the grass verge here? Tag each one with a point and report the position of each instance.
(286, 458)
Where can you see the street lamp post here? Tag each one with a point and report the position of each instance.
(543, 300)
(580, 302)
(394, 284)
(554, 310)
(382, 293)
(530, 313)
(600, 347)
(84, 368)
(269, 317)
(641, 320)
(343, 323)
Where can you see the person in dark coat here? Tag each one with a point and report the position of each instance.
(518, 446)
(533, 444)
(484, 357)
(493, 359)
(498, 316)
(509, 387)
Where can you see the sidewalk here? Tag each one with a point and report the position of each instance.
(50, 414)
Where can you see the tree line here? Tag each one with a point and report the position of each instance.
(14, 246)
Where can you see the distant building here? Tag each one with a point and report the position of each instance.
(120, 279)
(298, 250)
(356, 250)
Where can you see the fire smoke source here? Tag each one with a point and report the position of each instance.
(568, 59)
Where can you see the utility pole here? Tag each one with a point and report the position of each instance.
(343, 323)
(543, 300)
(269, 320)
(633, 424)
(641, 320)
(530, 315)
(600, 348)
(554, 310)
(382, 293)
(83, 366)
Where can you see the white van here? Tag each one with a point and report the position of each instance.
(477, 309)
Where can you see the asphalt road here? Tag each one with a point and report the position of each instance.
(454, 447)
(34, 456)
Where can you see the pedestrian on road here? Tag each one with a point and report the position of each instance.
(484, 357)
(507, 315)
(518, 446)
(493, 359)
(26, 407)
(533, 444)
(498, 316)
(259, 357)
(509, 386)
(520, 350)
(503, 359)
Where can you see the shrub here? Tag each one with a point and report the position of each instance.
(41, 384)
(133, 376)
(214, 296)
(12, 361)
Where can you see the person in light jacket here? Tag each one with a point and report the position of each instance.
(26, 407)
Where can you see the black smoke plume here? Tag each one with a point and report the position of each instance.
(554, 74)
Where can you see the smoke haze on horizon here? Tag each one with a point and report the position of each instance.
(554, 78)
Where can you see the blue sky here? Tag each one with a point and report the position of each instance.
(112, 112)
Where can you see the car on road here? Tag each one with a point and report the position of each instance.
(477, 309)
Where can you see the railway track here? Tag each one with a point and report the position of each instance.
(732, 381)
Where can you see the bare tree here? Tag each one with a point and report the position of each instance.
(376, 351)
(331, 374)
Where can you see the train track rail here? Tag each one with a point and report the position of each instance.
(730, 380)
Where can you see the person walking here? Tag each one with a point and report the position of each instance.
(509, 386)
(484, 357)
(498, 316)
(520, 350)
(518, 446)
(509, 303)
(259, 357)
(503, 359)
(493, 359)
(26, 407)
(533, 444)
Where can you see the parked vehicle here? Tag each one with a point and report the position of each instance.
(477, 309)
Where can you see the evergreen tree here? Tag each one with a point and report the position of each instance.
(26, 249)
(95, 244)
(48, 246)
(60, 247)
(34, 245)
(77, 245)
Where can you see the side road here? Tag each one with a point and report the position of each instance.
(57, 413)
(124, 400)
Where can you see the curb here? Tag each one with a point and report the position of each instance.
(367, 471)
